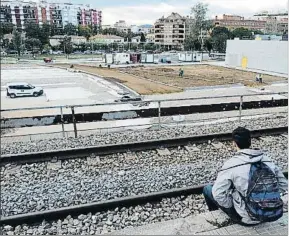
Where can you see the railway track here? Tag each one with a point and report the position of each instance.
(92, 208)
(130, 200)
(73, 211)
(65, 154)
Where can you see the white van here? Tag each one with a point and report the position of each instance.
(23, 89)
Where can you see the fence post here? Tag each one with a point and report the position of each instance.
(159, 115)
(62, 122)
(74, 122)
(240, 108)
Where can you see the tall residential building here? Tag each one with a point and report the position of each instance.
(170, 31)
(42, 11)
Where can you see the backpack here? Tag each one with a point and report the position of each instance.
(263, 200)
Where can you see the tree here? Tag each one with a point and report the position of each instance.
(45, 32)
(46, 48)
(96, 30)
(221, 30)
(197, 45)
(220, 35)
(220, 42)
(17, 40)
(242, 33)
(142, 38)
(209, 45)
(4, 43)
(6, 28)
(66, 45)
(84, 31)
(70, 29)
(32, 30)
(188, 43)
(198, 22)
(258, 32)
(32, 44)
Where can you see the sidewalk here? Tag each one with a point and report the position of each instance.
(210, 223)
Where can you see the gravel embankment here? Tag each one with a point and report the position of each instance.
(43, 186)
(139, 135)
(119, 218)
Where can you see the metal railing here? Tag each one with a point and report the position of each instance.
(156, 104)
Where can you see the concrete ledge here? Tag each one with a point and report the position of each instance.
(210, 223)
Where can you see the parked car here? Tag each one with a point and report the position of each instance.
(57, 52)
(128, 99)
(22, 89)
(12, 52)
(87, 52)
(47, 59)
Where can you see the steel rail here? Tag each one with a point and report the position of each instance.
(61, 213)
(81, 152)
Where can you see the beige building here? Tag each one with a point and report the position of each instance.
(106, 39)
(56, 40)
(170, 31)
(232, 22)
(150, 38)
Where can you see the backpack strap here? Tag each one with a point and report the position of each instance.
(245, 163)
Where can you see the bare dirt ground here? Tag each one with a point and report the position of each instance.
(141, 86)
(200, 75)
(141, 79)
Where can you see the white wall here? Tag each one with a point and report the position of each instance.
(262, 55)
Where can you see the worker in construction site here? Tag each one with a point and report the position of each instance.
(181, 72)
(259, 78)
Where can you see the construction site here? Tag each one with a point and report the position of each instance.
(147, 80)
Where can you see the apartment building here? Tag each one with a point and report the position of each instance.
(43, 11)
(232, 22)
(170, 31)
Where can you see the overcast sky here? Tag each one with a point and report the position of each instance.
(147, 11)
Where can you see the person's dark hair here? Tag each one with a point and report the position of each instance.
(242, 137)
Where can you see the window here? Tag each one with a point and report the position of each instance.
(26, 87)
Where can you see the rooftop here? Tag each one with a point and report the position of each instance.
(101, 36)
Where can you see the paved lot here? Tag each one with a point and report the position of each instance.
(61, 87)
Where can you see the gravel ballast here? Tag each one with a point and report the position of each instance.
(119, 218)
(43, 186)
(139, 135)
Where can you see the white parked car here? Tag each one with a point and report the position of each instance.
(23, 89)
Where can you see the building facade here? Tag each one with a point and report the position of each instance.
(266, 55)
(145, 29)
(106, 39)
(56, 40)
(232, 22)
(42, 11)
(170, 31)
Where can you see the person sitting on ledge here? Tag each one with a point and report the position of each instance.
(249, 188)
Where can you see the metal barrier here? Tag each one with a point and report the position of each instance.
(157, 104)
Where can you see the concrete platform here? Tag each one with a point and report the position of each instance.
(210, 223)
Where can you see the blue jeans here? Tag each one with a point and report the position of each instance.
(213, 205)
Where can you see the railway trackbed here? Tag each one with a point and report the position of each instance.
(65, 154)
